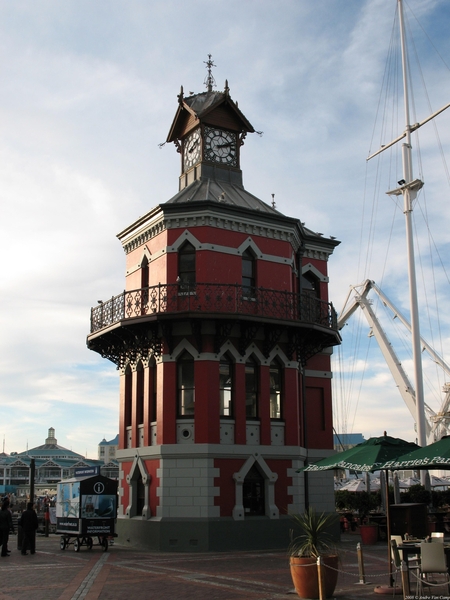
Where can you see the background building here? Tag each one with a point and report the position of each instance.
(107, 452)
(223, 339)
(52, 463)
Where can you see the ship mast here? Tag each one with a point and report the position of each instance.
(409, 192)
(408, 189)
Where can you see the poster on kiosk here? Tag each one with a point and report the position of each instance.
(86, 505)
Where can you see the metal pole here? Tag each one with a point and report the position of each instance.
(362, 575)
(405, 580)
(32, 475)
(320, 574)
(408, 197)
(388, 529)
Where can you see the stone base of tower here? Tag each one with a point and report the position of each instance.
(204, 535)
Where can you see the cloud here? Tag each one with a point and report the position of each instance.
(89, 91)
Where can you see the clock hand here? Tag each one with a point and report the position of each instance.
(223, 145)
(192, 148)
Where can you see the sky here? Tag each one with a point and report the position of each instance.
(88, 93)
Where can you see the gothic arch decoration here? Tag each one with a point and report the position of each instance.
(277, 352)
(138, 474)
(146, 254)
(257, 354)
(184, 345)
(229, 348)
(310, 268)
(270, 478)
(250, 244)
(186, 236)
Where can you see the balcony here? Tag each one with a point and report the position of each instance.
(218, 299)
(137, 322)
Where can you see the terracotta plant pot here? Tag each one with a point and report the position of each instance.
(305, 576)
(369, 534)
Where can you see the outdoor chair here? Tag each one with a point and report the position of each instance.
(412, 560)
(432, 560)
(397, 561)
(437, 536)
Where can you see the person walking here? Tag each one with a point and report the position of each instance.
(29, 523)
(6, 525)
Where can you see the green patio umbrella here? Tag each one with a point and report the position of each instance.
(434, 456)
(371, 455)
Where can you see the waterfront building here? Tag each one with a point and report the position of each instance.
(222, 339)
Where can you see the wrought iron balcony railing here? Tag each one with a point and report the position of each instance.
(213, 298)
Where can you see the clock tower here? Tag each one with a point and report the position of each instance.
(208, 131)
(222, 339)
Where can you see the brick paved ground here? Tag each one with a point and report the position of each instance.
(121, 573)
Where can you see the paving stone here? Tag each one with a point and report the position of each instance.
(123, 573)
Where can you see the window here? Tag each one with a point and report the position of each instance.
(145, 277)
(145, 273)
(128, 392)
(140, 394)
(310, 285)
(186, 387)
(311, 298)
(276, 379)
(226, 387)
(153, 388)
(248, 274)
(253, 493)
(186, 267)
(140, 496)
(251, 389)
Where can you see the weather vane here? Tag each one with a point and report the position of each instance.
(210, 82)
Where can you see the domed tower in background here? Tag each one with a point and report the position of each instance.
(223, 339)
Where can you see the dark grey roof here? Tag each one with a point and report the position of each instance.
(201, 103)
(223, 192)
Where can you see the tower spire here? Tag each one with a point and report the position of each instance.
(210, 82)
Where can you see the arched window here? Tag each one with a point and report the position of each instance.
(186, 267)
(251, 389)
(140, 394)
(310, 285)
(226, 386)
(276, 390)
(128, 393)
(186, 387)
(253, 493)
(312, 309)
(153, 388)
(145, 273)
(248, 274)
(145, 277)
(140, 496)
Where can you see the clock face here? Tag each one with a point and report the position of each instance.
(220, 146)
(191, 149)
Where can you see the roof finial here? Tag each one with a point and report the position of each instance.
(210, 82)
(273, 201)
(181, 95)
(227, 89)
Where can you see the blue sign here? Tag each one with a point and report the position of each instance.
(86, 472)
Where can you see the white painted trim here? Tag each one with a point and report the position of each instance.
(311, 268)
(270, 479)
(321, 374)
(248, 243)
(137, 467)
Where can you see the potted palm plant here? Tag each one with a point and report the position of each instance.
(314, 539)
